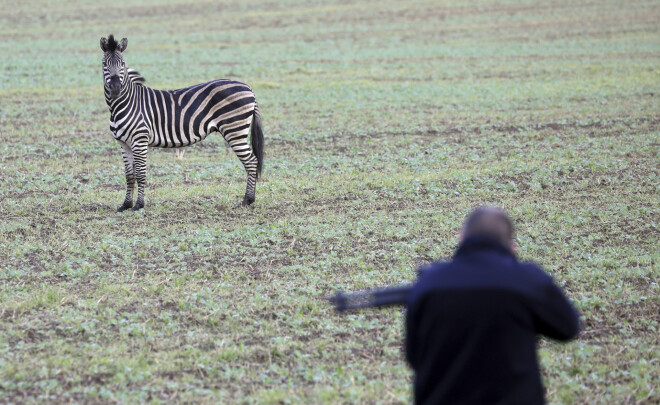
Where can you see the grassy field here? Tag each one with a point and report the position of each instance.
(386, 122)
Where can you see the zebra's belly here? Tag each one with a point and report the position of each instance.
(175, 140)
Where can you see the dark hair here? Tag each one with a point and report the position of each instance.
(491, 222)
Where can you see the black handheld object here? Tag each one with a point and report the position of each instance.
(382, 297)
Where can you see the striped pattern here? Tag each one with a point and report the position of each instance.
(142, 117)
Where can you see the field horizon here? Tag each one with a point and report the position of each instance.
(385, 123)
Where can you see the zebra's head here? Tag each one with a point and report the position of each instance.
(115, 72)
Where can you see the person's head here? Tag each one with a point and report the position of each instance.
(491, 222)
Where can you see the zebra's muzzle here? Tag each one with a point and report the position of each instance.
(115, 86)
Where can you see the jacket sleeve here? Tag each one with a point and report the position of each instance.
(555, 316)
(411, 334)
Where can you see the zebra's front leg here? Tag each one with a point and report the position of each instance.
(139, 148)
(127, 155)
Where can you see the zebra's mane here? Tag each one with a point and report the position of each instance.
(112, 44)
(136, 77)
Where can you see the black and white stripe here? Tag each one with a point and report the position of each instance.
(141, 117)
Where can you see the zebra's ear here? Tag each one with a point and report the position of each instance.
(122, 45)
(104, 43)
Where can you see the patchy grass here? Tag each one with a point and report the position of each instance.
(386, 122)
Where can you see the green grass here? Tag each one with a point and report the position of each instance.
(385, 124)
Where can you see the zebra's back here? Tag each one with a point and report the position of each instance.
(185, 116)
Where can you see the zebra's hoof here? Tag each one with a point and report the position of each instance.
(124, 207)
(247, 201)
(137, 206)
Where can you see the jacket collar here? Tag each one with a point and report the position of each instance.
(474, 244)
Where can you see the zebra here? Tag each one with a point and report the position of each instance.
(142, 117)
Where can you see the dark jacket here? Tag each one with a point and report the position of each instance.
(472, 325)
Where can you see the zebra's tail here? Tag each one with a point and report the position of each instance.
(257, 139)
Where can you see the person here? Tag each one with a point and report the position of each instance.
(472, 322)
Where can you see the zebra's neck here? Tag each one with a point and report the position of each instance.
(124, 102)
(124, 95)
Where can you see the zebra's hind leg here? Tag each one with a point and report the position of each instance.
(238, 143)
(127, 155)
